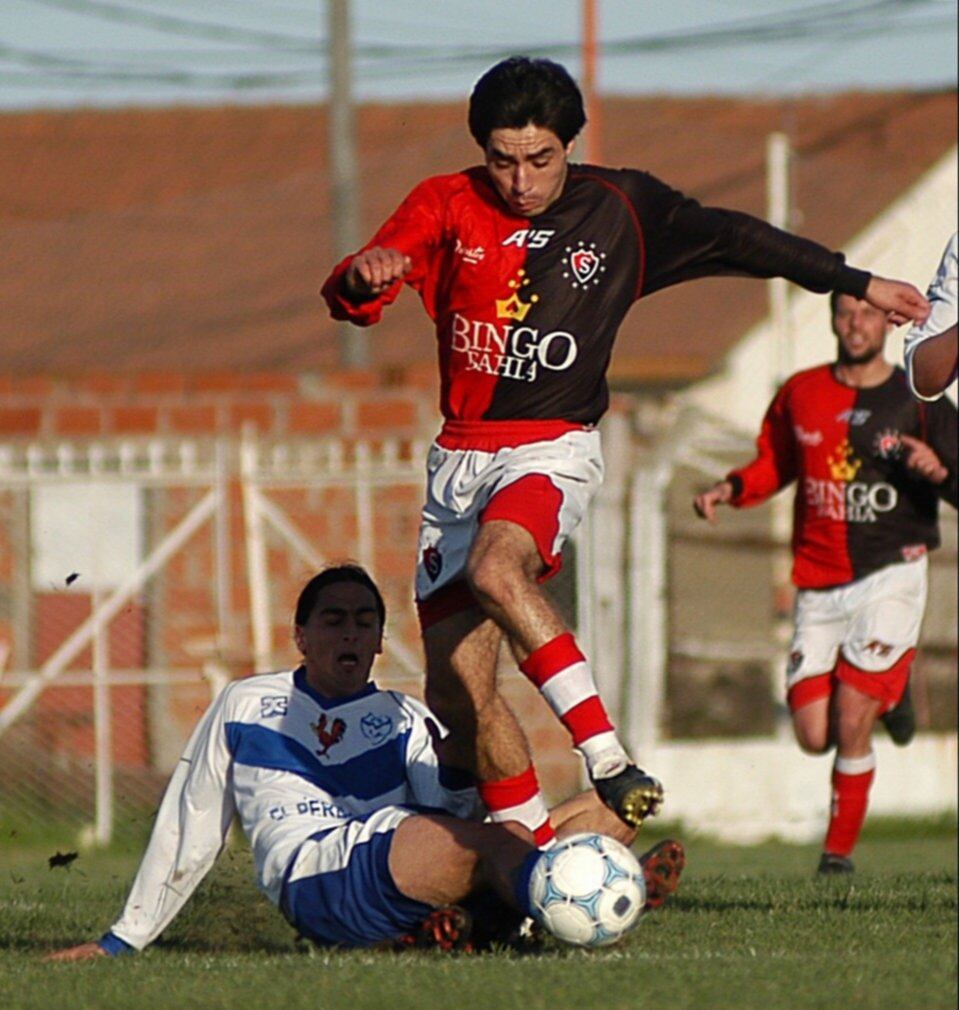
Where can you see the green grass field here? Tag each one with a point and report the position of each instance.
(751, 928)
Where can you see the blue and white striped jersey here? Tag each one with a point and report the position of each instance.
(290, 763)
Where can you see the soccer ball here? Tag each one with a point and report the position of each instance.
(587, 890)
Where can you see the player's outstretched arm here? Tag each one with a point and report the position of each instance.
(373, 271)
(83, 952)
(903, 302)
(188, 834)
(705, 503)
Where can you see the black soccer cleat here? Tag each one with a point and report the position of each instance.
(662, 865)
(900, 721)
(632, 795)
(831, 865)
(498, 926)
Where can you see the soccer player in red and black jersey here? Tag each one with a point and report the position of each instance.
(870, 464)
(527, 264)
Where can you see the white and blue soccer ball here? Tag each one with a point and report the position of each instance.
(587, 890)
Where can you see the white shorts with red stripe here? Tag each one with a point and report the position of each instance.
(543, 486)
(862, 630)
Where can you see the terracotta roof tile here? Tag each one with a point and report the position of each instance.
(196, 239)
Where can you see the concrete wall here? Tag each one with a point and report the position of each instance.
(756, 789)
(905, 242)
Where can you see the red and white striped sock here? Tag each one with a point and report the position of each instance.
(562, 675)
(851, 780)
(518, 799)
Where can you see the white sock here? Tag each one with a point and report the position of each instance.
(605, 755)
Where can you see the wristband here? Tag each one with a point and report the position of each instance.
(853, 282)
(737, 485)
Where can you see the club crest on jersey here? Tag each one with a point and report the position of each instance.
(584, 265)
(888, 444)
(432, 562)
(376, 728)
(328, 737)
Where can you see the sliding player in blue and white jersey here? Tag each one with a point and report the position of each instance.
(357, 832)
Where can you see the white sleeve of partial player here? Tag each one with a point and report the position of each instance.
(188, 834)
(943, 295)
(433, 786)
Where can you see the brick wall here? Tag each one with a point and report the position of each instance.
(181, 601)
(355, 404)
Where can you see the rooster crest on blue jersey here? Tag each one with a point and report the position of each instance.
(588, 890)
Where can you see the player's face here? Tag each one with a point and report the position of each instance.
(527, 167)
(860, 329)
(340, 639)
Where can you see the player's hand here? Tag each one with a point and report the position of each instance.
(84, 952)
(705, 503)
(903, 302)
(923, 459)
(371, 272)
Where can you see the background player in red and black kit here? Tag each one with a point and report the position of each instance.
(527, 265)
(870, 465)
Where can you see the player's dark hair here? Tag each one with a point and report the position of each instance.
(519, 91)
(834, 297)
(330, 576)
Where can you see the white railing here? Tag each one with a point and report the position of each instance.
(622, 581)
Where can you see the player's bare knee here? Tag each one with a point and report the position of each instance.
(854, 729)
(492, 578)
(813, 741)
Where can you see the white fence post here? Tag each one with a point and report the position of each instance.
(607, 565)
(222, 554)
(102, 730)
(648, 625)
(261, 622)
(364, 506)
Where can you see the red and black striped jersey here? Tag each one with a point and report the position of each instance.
(858, 507)
(527, 309)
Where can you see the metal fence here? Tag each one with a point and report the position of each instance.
(113, 586)
(137, 577)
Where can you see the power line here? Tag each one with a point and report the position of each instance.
(172, 24)
(380, 60)
(78, 69)
(795, 23)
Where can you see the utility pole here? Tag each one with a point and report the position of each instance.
(779, 213)
(344, 187)
(594, 128)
